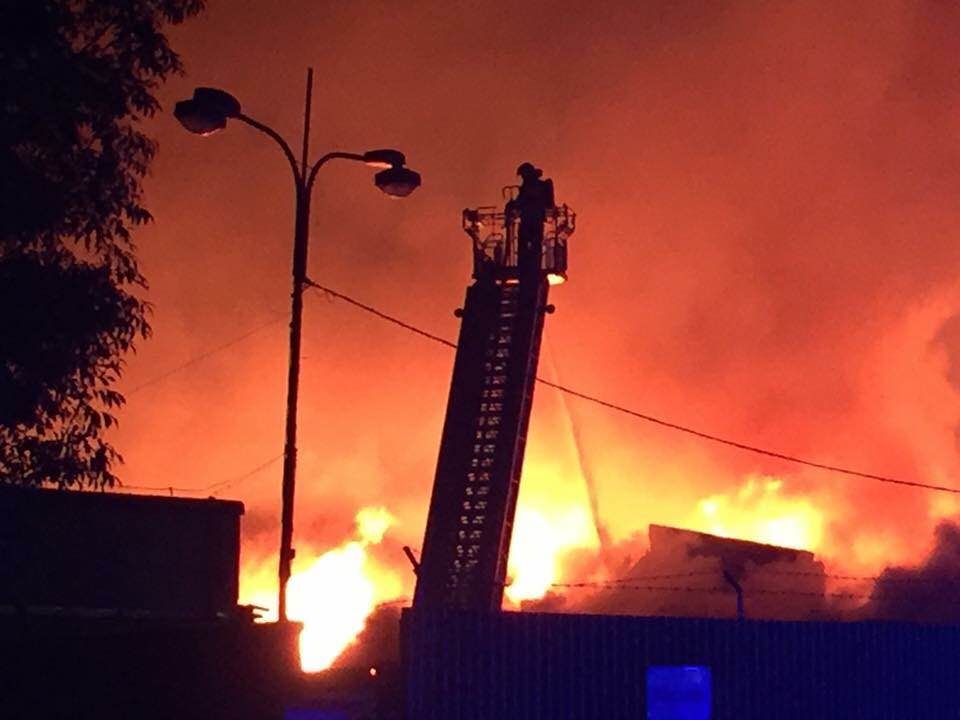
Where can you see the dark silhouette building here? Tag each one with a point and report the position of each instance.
(664, 643)
(120, 606)
(144, 556)
(486, 666)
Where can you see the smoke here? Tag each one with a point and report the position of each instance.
(766, 250)
(690, 574)
(378, 644)
(927, 592)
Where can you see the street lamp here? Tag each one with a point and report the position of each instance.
(206, 113)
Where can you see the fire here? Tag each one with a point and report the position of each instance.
(336, 593)
(540, 538)
(333, 598)
(759, 512)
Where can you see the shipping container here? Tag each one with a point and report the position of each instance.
(95, 552)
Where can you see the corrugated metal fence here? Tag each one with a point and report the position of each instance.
(461, 666)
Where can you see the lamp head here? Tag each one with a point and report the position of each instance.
(397, 181)
(207, 111)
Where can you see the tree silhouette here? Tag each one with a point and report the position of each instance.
(78, 76)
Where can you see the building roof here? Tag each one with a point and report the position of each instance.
(81, 498)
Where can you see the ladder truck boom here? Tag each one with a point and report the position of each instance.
(518, 252)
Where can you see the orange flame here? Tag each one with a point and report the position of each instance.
(758, 511)
(332, 598)
(541, 537)
(335, 593)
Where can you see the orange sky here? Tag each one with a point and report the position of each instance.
(767, 250)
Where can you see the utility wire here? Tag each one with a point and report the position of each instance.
(163, 488)
(382, 315)
(650, 418)
(203, 356)
(744, 446)
(220, 487)
(216, 487)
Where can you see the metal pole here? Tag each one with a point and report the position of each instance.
(300, 246)
(738, 589)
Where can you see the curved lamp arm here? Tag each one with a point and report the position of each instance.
(336, 155)
(267, 130)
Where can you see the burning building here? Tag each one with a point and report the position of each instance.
(693, 574)
(675, 641)
(699, 627)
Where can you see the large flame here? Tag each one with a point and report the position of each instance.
(759, 511)
(847, 526)
(334, 594)
(548, 529)
(541, 537)
(332, 598)
(838, 342)
(337, 592)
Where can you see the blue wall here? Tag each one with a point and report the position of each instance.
(527, 665)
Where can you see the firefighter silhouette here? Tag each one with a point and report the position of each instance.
(531, 204)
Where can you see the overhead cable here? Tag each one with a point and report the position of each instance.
(202, 356)
(650, 418)
(216, 488)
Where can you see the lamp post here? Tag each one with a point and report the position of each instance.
(206, 113)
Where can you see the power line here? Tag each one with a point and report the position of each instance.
(650, 418)
(163, 488)
(217, 487)
(203, 356)
(220, 487)
(744, 446)
(382, 315)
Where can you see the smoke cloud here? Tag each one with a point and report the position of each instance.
(767, 249)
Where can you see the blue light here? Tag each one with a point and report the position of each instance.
(678, 692)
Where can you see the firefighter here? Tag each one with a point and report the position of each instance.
(531, 204)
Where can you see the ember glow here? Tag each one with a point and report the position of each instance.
(767, 251)
(336, 592)
(758, 510)
(542, 533)
(332, 594)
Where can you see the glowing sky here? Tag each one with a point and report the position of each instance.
(767, 249)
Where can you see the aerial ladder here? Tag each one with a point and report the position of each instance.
(518, 253)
